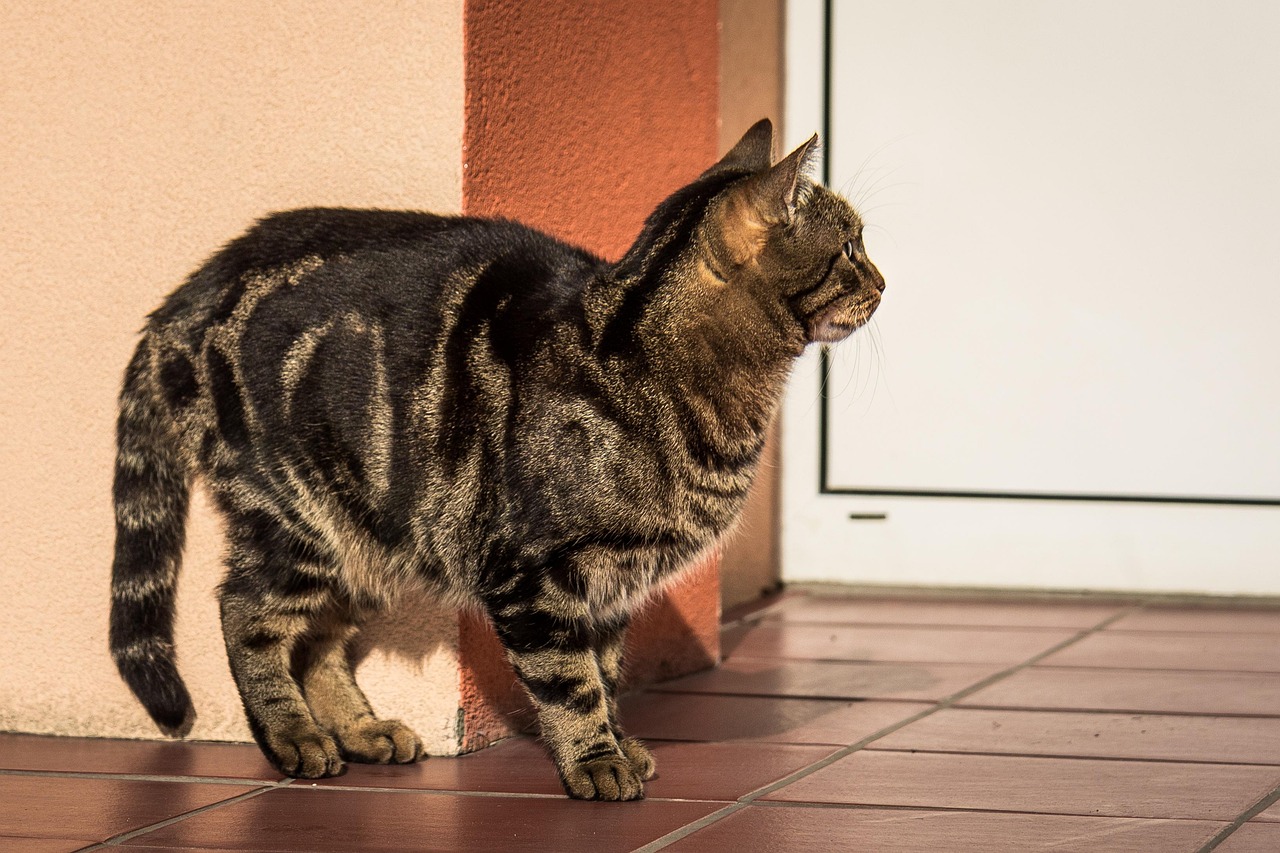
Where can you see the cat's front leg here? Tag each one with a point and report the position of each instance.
(609, 642)
(555, 660)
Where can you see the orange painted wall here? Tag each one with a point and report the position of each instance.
(580, 118)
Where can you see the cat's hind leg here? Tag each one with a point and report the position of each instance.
(340, 706)
(276, 590)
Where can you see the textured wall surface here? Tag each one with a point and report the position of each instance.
(581, 117)
(134, 139)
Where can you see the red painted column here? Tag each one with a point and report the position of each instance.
(581, 115)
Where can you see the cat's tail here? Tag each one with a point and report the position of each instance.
(150, 493)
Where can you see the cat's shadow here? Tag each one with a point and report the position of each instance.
(492, 705)
(662, 645)
(413, 630)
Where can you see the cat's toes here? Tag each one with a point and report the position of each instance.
(380, 742)
(640, 757)
(304, 753)
(609, 778)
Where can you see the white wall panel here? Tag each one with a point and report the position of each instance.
(1077, 210)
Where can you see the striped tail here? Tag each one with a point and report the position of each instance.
(151, 492)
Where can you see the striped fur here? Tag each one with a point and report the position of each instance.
(385, 401)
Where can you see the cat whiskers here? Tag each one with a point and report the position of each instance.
(854, 361)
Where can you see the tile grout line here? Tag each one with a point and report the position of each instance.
(1059, 666)
(142, 777)
(1217, 670)
(1060, 756)
(456, 792)
(986, 810)
(977, 626)
(671, 687)
(746, 800)
(1149, 712)
(914, 594)
(523, 795)
(1054, 709)
(1244, 817)
(958, 627)
(134, 833)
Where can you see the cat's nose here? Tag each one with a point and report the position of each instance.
(878, 281)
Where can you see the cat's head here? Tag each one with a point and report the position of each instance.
(777, 234)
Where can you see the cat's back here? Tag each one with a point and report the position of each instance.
(410, 256)
(350, 347)
(314, 318)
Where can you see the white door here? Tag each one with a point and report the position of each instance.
(1074, 378)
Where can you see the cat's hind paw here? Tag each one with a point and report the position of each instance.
(380, 742)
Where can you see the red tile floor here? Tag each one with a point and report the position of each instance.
(834, 724)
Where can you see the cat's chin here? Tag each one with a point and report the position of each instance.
(831, 333)
(839, 322)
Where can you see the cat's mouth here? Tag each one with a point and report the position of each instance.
(837, 322)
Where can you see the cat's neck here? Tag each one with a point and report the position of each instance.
(753, 357)
(727, 349)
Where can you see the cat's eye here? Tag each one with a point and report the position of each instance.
(850, 248)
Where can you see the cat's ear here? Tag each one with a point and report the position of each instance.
(752, 153)
(778, 191)
(766, 200)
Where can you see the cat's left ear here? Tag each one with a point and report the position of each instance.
(766, 200)
(752, 153)
(779, 190)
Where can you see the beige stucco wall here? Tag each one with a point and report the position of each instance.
(135, 138)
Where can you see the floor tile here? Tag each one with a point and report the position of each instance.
(1252, 838)
(874, 643)
(1272, 814)
(802, 829)
(991, 614)
(1135, 690)
(833, 679)
(695, 771)
(758, 608)
(1158, 650)
(14, 844)
(61, 807)
(1242, 740)
(1149, 735)
(133, 848)
(1145, 789)
(293, 819)
(409, 847)
(136, 757)
(1197, 619)
(697, 716)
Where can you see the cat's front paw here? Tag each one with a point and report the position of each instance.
(380, 742)
(304, 753)
(640, 757)
(611, 777)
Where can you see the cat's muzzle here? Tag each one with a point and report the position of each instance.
(840, 320)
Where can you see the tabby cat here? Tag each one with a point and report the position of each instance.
(381, 401)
